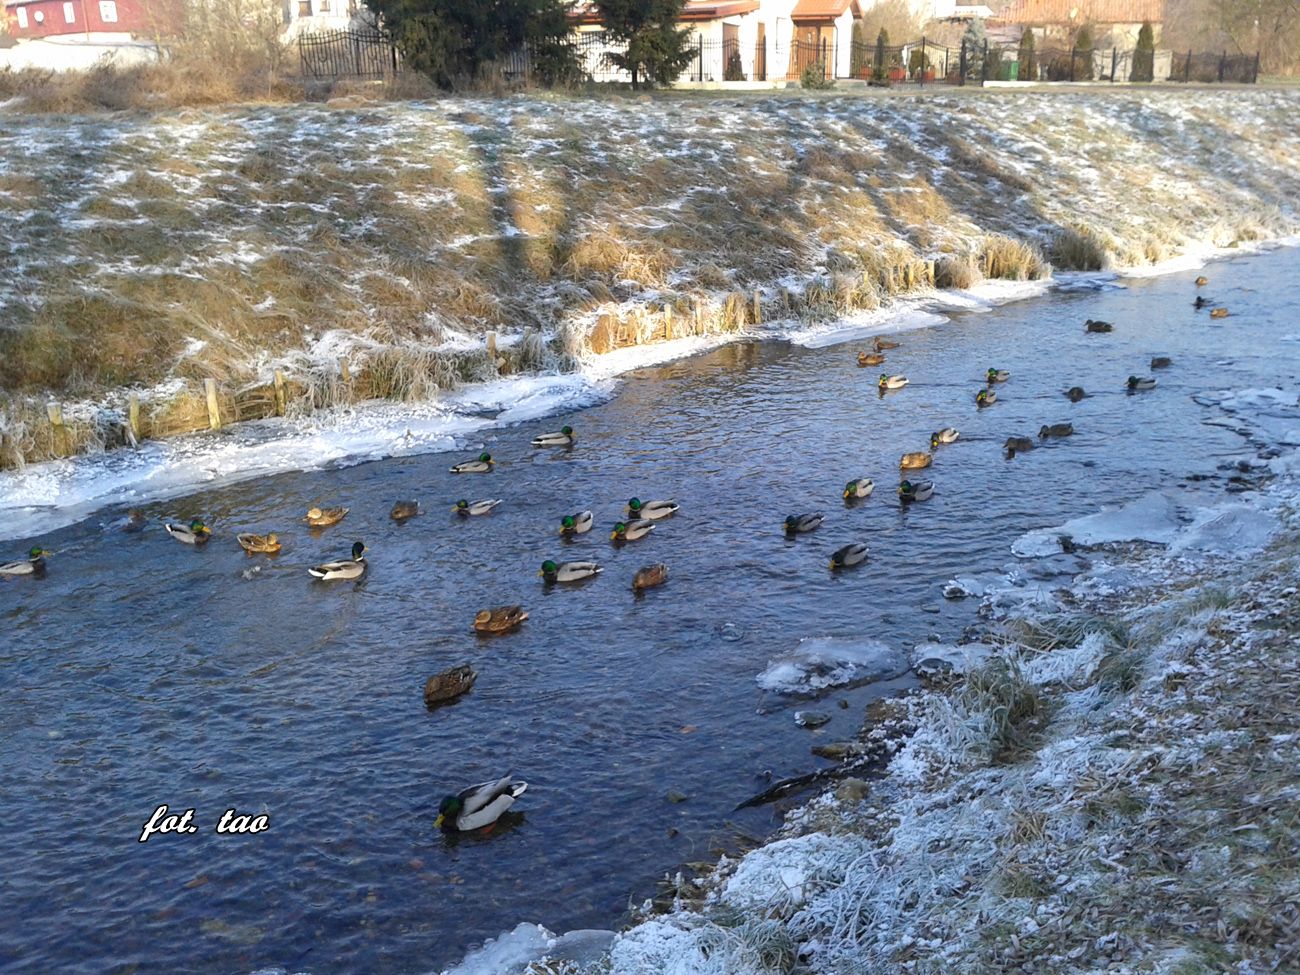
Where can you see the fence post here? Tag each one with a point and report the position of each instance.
(699, 47)
(279, 393)
(393, 50)
(133, 417)
(963, 63)
(1223, 63)
(59, 432)
(1114, 63)
(758, 307)
(1254, 75)
(984, 65)
(1187, 67)
(1072, 54)
(922, 60)
(214, 411)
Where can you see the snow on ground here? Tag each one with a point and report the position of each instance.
(821, 662)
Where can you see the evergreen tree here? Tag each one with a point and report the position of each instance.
(857, 50)
(451, 41)
(882, 42)
(657, 49)
(974, 39)
(1144, 58)
(1028, 62)
(1083, 54)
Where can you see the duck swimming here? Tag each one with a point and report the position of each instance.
(997, 376)
(915, 491)
(891, 382)
(1075, 393)
(946, 435)
(985, 397)
(654, 510)
(33, 565)
(561, 438)
(880, 345)
(798, 524)
(649, 576)
(1200, 302)
(1055, 430)
(1016, 445)
(1143, 382)
(915, 460)
(568, 571)
(404, 510)
(480, 465)
(448, 685)
(353, 568)
(1091, 326)
(324, 517)
(859, 488)
(196, 533)
(870, 359)
(478, 806)
(855, 553)
(258, 544)
(630, 531)
(499, 620)
(467, 508)
(578, 524)
(1218, 313)
(1202, 281)
(1161, 362)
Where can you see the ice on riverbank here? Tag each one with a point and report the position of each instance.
(819, 663)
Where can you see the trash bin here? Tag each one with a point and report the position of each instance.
(1010, 71)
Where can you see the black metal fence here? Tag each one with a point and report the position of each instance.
(346, 54)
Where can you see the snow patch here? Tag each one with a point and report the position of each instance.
(822, 662)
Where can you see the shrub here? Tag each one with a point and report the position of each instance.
(1144, 57)
(1028, 62)
(882, 42)
(814, 77)
(734, 71)
(1083, 47)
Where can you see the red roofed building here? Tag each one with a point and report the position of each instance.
(50, 18)
(1112, 21)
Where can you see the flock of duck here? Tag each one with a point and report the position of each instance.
(481, 805)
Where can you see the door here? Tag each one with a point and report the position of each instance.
(760, 54)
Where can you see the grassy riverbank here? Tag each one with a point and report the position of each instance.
(152, 251)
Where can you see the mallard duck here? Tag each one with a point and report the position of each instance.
(578, 524)
(985, 397)
(568, 571)
(630, 531)
(561, 438)
(1202, 281)
(1017, 445)
(997, 375)
(870, 358)
(1200, 302)
(1141, 382)
(33, 565)
(499, 620)
(649, 576)
(134, 521)
(1218, 313)
(480, 465)
(324, 517)
(1092, 326)
(255, 544)
(859, 488)
(467, 508)
(1055, 430)
(850, 555)
(449, 685)
(196, 534)
(1075, 393)
(880, 345)
(353, 568)
(1161, 362)
(915, 460)
(918, 491)
(654, 510)
(891, 382)
(798, 524)
(478, 806)
(946, 435)
(403, 510)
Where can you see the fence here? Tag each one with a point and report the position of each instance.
(368, 54)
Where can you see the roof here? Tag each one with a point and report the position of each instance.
(820, 9)
(1083, 12)
(695, 10)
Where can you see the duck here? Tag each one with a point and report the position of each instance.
(403, 510)
(915, 460)
(1202, 281)
(798, 524)
(985, 397)
(1161, 362)
(499, 620)
(267, 544)
(1075, 393)
(997, 375)
(467, 508)
(478, 806)
(562, 437)
(1141, 382)
(880, 345)
(859, 488)
(1016, 445)
(578, 524)
(870, 358)
(353, 568)
(196, 533)
(630, 531)
(891, 382)
(33, 565)
(1055, 430)
(1200, 302)
(1218, 313)
(946, 435)
(918, 491)
(449, 685)
(654, 510)
(1092, 326)
(568, 571)
(324, 517)
(649, 576)
(854, 553)
(480, 465)
(134, 521)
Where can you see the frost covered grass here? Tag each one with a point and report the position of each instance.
(1115, 789)
(225, 243)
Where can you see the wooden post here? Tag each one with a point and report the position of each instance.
(214, 411)
(133, 417)
(279, 393)
(699, 316)
(668, 321)
(59, 431)
(344, 372)
(491, 342)
(758, 307)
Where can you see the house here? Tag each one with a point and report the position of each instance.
(315, 16)
(31, 19)
(1114, 22)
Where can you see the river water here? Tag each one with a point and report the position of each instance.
(141, 672)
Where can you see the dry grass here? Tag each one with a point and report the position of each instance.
(1079, 249)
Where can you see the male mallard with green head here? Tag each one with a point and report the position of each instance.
(561, 438)
(33, 565)
(196, 533)
(478, 806)
(353, 568)
(480, 465)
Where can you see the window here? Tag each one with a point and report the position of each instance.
(324, 6)
(69, 14)
(108, 11)
(39, 16)
(22, 18)
(304, 8)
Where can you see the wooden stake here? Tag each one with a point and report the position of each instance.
(279, 393)
(758, 307)
(668, 321)
(214, 411)
(133, 417)
(60, 433)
